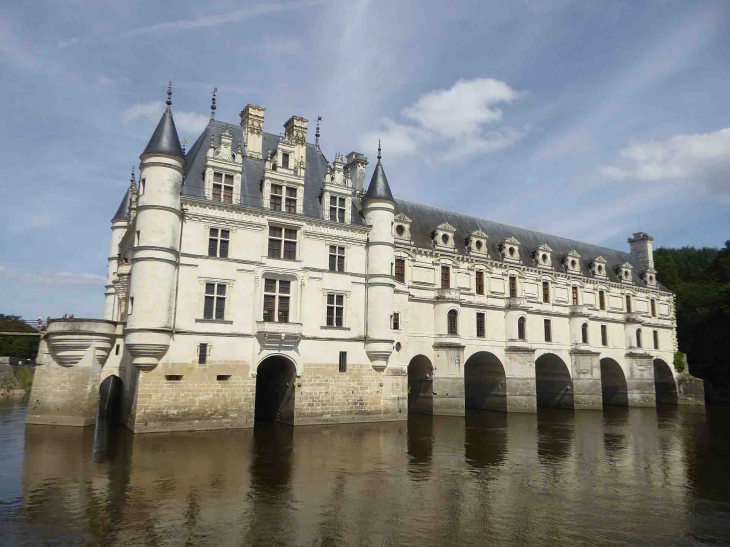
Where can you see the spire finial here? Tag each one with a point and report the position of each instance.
(379, 151)
(169, 93)
(316, 133)
(184, 143)
(212, 104)
(132, 178)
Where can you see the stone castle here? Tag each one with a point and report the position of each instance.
(251, 279)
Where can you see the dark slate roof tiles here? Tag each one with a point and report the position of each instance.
(165, 140)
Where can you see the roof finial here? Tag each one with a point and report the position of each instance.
(184, 143)
(212, 104)
(132, 178)
(379, 151)
(169, 93)
(316, 134)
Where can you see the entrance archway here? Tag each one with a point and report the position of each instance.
(275, 393)
(485, 383)
(664, 384)
(554, 385)
(111, 395)
(420, 385)
(613, 384)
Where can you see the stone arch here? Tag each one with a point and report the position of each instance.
(275, 390)
(297, 366)
(111, 397)
(613, 383)
(485, 382)
(420, 385)
(664, 384)
(553, 383)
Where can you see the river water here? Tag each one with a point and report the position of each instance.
(617, 477)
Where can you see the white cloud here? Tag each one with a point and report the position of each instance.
(697, 158)
(53, 278)
(188, 122)
(464, 108)
(453, 120)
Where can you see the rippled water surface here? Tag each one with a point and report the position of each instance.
(618, 477)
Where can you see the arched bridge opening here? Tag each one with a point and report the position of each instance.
(613, 384)
(553, 383)
(485, 383)
(111, 397)
(420, 385)
(664, 384)
(275, 394)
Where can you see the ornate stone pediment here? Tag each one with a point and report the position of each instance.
(446, 227)
(400, 217)
(479, 233)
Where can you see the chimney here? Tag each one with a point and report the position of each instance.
(252, 124)
(642, 249)
(355, 164)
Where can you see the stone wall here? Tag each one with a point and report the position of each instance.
(9, 385)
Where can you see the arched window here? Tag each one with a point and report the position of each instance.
(521, 328)
(638, 338)
(584, 333)
(451, 322)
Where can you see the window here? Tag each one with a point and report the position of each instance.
(396, 321)
(277, 293)
(512, 286)
(142, 185)
(451, 322)
(653, 307)
(343, 361)
(283, 195)
(584, 333)
(656, 339)
(445, 277)
(215, 301)
(521, 328)
(223, 187)
(480, 325)
(638, 338)
(282, 243)
(546, 292)
(136, 239)
(202, 354)
(628, 304)
(575, 295)
(335, 309)
(400, 270)
(337, 258)
(218, 242)
(602, 300)
(285, 160)
(131, 305)
(337, 209)
(400, 230)
(604, 335)
(480, 282)
(548, 331)
(116, 350)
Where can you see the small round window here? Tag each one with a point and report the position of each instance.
(445, 239)
(573, 263)
(400, 230)
(398, 346)
(600, 268)
(544, 258)
(479, 245)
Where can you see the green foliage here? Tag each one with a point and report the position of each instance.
(24, 375)
(22, 347)
(700, 278)
(679, 362)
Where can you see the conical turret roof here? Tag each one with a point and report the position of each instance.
(379, 187)
(165, 140)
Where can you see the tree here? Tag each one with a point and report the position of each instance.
(22, 347)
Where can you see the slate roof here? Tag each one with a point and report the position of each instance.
(123, 209)
(379, 187)
(425, 219)
(165, 140)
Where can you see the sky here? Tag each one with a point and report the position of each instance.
(588, 120)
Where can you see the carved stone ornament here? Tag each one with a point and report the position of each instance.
(224, 153)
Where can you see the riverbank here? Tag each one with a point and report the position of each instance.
(15, 381)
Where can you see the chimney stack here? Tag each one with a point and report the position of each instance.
(252, 124)
(642, 249)
(355, 164)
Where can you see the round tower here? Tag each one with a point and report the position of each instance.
(379, 209)
(155, 254)
(119, 228)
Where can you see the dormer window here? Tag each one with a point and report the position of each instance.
(477, 243)
(542, 256)
(509, 249)
(598, 267)
(222, 187)
(572, 262)
(337, 209)
(402, 227)
(285, 160)
(443, 236)
(283, 196)
(624, 272)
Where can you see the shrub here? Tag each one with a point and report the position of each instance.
(679, 362)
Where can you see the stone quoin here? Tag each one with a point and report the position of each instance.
(251, 279)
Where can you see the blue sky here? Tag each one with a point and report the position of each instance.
(589, 120)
